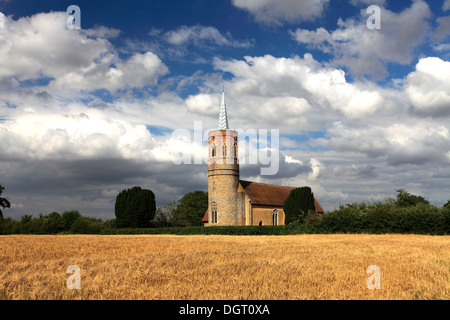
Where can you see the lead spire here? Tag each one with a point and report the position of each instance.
(223, 120)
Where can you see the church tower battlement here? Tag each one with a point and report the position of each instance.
(223, 173)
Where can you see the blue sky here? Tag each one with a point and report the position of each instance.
(87, 113)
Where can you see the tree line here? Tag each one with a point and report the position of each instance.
(406, 213)
(136, 208)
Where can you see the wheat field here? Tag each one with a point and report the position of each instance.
(224, 267)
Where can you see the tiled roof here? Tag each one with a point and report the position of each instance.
(269, 194)
(205, 217)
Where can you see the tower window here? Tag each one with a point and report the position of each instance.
(213, 212)
(213, 150)
(275, 217)
(234, 150)
(224, 150)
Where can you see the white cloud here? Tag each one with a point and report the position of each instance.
(88, 134)
(202, 35)
(398, 143)
(316, 168)
(278, 12)
(138, 71)
(428, 87)
(42, 46)
(203, 103)
(365, 51)
(302, 79)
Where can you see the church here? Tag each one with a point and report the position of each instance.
(234, 202)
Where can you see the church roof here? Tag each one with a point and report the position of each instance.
(269, 194)
(205, 217)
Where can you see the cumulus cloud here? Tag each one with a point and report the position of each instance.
(73, 136)
(42, 46)
(275, 12)
(304, 78)
(398, 143)
(138, 71)
(365, 51)
(428, 87)
(203, 103)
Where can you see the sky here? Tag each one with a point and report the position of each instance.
(356, 98)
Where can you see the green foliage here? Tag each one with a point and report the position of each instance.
(87, 225)
(297, 204)
(446, 205)
(346, 219)
(69, 217)
(378, 218)
(54, 223)
(190, 210)
(134, 208)
(405, 199)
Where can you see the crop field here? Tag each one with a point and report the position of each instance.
(224, 267)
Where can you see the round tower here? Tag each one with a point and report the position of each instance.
(223, 173)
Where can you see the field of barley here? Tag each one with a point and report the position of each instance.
(225, 267)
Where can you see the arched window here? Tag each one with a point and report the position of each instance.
(213, 150)
(224, 150)
(234, 150)
(275, 217)
(213, 212)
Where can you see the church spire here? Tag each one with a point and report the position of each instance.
(223, 120)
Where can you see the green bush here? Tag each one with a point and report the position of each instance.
(348, 219)
(87, 225)
(382, 218)
(421, 219)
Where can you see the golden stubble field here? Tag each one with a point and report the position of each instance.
(225, 267)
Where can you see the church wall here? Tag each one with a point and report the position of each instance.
(264, 214)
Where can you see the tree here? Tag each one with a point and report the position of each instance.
(3, 202)
(134, 208)
(446, 205)
(298, 203)
(54, 223)
(164, 214)
(191, 209)
(405, 199)
(69, 218)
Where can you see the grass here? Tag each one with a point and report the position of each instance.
(225, 267)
